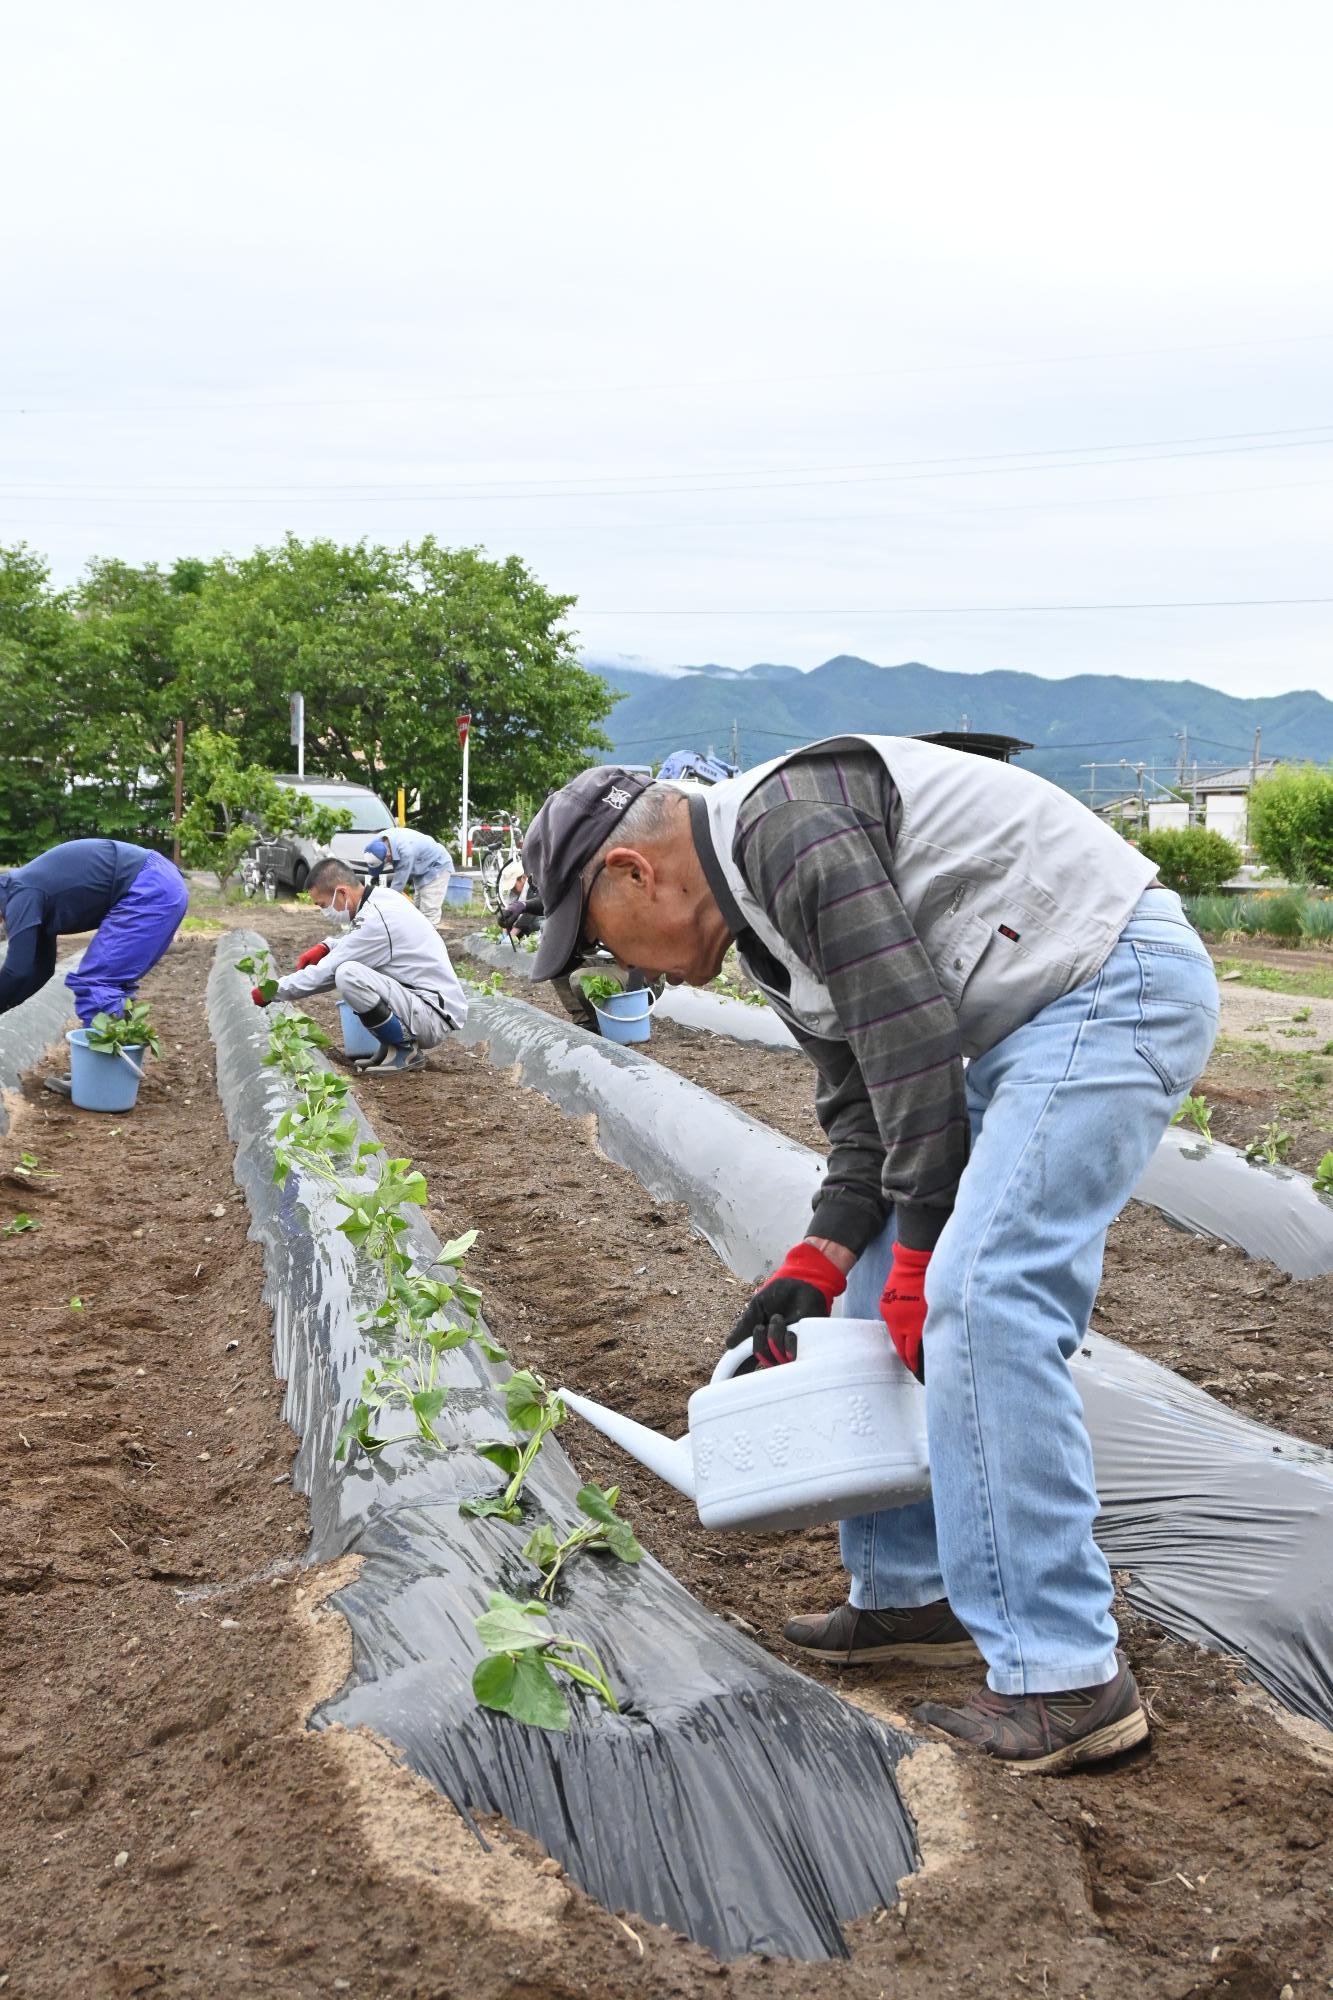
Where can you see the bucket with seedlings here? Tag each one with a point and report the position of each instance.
(106, 1059)
(621, 1016)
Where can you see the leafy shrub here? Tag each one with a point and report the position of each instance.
(1191, 859)
(1276, 913)
(1214, 915)
(1291, 821)
(1317, 919)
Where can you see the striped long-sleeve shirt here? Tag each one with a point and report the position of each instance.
(815, 844)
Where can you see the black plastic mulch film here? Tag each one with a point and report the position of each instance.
(732, 1798)
(27, 1032)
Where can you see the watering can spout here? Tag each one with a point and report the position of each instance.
(670, 1458)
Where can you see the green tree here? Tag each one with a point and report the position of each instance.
(33, 795)
(1191, 859)
(388, 647)
(1291, 821)
(228, 804)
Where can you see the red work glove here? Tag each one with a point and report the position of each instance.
(804, 1286)
(312, 957)
(902, 1305)
(258, 997)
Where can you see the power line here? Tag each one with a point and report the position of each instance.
(366, 488)
(932, 610)
(749, 484)
(575, 390)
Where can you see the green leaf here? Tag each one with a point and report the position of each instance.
(490, 1347)
(541, 1547)
(443, 1339)
(506, 1456)
(617, 1533)
(356, 1430)
(522, 1688)
(486, 1506)
(427, 1404)
(524, 1399)
(509, 1624)
(455, 1251)
(21, 1225)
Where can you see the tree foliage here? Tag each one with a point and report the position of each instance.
(388, 646)
(1191, 859)
(1291, 821)
(231, 802)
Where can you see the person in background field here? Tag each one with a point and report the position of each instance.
(903, 906)
(132, 898)
(409, 856)
(522, 917)
(389, 964)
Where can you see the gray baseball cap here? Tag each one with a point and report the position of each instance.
(567, 832)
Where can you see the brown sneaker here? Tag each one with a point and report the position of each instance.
(850, 1638)
(1047, 1732)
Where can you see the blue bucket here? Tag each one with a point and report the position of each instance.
(625, 1017)
(100, 1080)
(357, 1038)
(458, 888)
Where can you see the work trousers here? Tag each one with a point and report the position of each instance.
(364, 989)
(130, 940)
(1066, 1113)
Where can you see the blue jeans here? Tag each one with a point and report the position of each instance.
(1066, 1113)
(129, 941)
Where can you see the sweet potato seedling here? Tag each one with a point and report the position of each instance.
(532, 1407)
(1323, 1175)
(1198, 1112)
(21, 1225)
(604, 1530)
(523, 1657)
(1271, 1145)
(258, 968)
(131, 1030)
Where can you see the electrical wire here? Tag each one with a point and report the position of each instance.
(572, 390)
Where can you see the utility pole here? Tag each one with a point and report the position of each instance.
(298, 731)
(735, 742)
(1254, 757)
(1183, 738)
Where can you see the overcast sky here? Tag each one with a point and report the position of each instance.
(769, 330)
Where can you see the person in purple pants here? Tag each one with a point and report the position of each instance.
(133, 899)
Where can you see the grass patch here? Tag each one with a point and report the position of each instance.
(1315, 983)
(1296, 1076)
(200, 927)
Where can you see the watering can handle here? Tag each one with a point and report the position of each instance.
(732, 1359)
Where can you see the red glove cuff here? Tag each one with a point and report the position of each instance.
(312, 957)
(812, 1267)
(912, 1263)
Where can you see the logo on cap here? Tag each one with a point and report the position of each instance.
(617, 798)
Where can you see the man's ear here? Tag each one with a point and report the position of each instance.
(630, 868)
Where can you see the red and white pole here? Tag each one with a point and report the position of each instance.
(465, 852)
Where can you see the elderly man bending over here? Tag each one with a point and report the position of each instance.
(389, 964)
(903, 906)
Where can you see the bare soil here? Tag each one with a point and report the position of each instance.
(140, 1720)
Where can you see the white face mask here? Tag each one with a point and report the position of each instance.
(344, 912)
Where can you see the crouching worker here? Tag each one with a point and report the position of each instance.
(903, 906)
(133, 899)
(389, 964)
(409, 856)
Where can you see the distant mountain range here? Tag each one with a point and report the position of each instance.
(1069, 722)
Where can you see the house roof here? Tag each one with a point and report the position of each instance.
(1238, 778)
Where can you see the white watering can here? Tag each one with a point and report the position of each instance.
(841, 1430)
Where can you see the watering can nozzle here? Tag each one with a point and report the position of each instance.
(670, 1458)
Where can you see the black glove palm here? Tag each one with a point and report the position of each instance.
(770, 1316)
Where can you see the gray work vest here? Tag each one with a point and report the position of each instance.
(1016, 891)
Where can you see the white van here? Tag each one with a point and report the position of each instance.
(292, 856)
